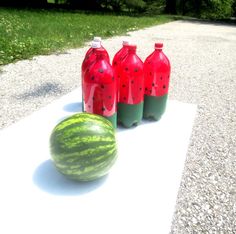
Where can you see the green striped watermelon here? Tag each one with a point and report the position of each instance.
(83, 146)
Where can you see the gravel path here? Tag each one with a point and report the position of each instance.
(203, 57)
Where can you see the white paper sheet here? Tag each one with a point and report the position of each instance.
(137, 196)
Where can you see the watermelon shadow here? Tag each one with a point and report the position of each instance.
(48, 179)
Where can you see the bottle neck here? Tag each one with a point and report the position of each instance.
(100, 54)
(126, 46)
(131, 49)
(158, 46)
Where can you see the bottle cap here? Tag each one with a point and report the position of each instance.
(158, 45)
(125, 42)
(96, 44)
(97, 39)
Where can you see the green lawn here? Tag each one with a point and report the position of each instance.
(25, 33)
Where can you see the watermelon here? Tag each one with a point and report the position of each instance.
(83, 146)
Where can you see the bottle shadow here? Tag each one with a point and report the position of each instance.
(47, 178)
(143, 122)
(73, 107)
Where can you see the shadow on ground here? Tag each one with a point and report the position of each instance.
(46, 89)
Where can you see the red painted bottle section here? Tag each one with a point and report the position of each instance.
(99, 87)
(157, 72)
(90, 58)
(118, 58)
(131, 78)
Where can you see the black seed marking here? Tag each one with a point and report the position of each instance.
(153, 84)
(126, 68)
(109, 96)
(136, 69)
(123, 86)
(146, 89)
(100, 70)
(113, 78)
(92, 78)
(161, 77)
(164, 86)
(115, 63)
(132, 81)
(140, 88)
(124, 98)
(103, 109)
(102, 86)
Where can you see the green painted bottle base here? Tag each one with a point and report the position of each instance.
(112, 119)
(129, 115)
(154, 107)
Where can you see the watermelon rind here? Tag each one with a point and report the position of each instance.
(83, 146)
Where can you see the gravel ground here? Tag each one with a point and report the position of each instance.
(203, 57)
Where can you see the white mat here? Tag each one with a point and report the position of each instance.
(138, 195)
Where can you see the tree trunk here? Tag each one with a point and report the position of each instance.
(170, 7)
(198, 5)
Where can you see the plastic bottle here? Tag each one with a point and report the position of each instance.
(90, 58)
(100, 88)
(118, 57)
(96, 39)
(156, 78)
(131, 89)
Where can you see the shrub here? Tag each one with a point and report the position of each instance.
(216, 9)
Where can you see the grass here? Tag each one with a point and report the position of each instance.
(26, 33)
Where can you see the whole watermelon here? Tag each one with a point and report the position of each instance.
(83, 146)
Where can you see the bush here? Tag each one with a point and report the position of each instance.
(136, 5)
(155, 7)
(234, 8)
(216, 9)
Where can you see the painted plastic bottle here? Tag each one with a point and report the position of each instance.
(156, 81)
(117, 59)
(90, 58)
(120, 55)
(100, 88)
(131, 89)
(96, 39)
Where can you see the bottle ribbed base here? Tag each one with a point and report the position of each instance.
(154, 107)
(129, 115)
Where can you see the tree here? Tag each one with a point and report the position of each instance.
(170, 7)
(24, 3)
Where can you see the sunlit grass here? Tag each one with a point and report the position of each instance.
(25, 33)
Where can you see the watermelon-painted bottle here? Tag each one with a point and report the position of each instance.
(120, 55)
(156, 78)
(131, 89)
(90, 58)
(118, 58)
(99, 40)
(100, 88)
